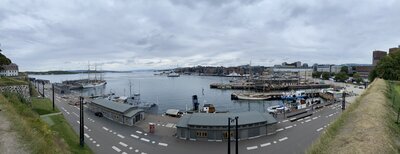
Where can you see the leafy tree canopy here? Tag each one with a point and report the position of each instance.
(388, 68)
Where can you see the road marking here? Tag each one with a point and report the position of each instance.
(124, 153)
(282, 139)
(143, 153)
(123, 144)
(278, 130)
(314, 118)
(293, 118)
(75, 114)
(145, 134)
(265, 144)
(67, 112)
(144, 139)
(288, 127)
(94, 142)
(105, 128)
(87, 135)
(170, 125)
(97, 145)
(130, 148)
(319, 129)
(119, 135)
(308, 120)
(274, 141)
(136, 150)
(116, 149)
(285, 120)
(252, 148)
(115, 133)
(78, 122)
(134, 136)
(153, 142)
(139, 132)
(306, 117)
(86, 127)
(300, 119)
(163, 144)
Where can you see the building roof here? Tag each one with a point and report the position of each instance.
(119, 107)
(133, 112)
(11, 66)
(221, 119)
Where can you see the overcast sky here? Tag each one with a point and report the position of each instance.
(141, 34)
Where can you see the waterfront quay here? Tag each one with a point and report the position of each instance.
(267, 87)
(294, 132)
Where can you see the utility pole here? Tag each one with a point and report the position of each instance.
(344, 101)
(43, 89)
(81, 124)
(237, 135)
(229, 135)
(52, 87)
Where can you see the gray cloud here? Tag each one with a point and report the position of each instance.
(125, 35)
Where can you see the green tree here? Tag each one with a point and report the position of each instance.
(388, 68)
(326, 75)
(357, 77)
(316, 74)
(344, 69)
(341, 77)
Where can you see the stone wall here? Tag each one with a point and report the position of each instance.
(20, 89)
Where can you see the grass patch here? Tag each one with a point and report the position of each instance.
(323, 143)
(6, 81)
(43, 106)
(393, 95)
(68, 135)
(37, 135)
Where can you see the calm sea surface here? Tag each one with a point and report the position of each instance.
(167, 92)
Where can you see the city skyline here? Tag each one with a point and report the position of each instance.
(128, 35)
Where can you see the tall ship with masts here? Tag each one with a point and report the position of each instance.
(96, 81)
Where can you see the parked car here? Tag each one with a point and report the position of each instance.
(99, 114)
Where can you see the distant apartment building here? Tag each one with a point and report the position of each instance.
(295, 64)
(9, 70)
(330, 68)
(394, 50)
(377, 56)
(305, 74)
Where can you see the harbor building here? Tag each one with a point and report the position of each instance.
(214, 126)
(377, 56)
(9, 70)
(118, 112)
(330, 68)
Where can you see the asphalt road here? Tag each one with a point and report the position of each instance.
(104, 136)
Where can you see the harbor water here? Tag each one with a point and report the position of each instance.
(168, 92)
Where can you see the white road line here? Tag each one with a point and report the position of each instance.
(163, 144)
(86, 127)
(124, 153)
(265, 144)
(306, 117)
(285, 120)
(87, 135)
(293, 118)
(134, 136)
(97, 145)
(123, 144)
(105, 128)
(288, 127)
(300, 119)
(78, 122)
(136, 150)
(67, 112)
(116, 149)
(308, 120)
(144, 139)
(314, 118)
(319, 129)
(75, 114)
(252, 148)
(139, 132)
(278, 130)
(119, 135)
(282, 139)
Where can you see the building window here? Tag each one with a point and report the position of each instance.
(201, 134)
(226, 134)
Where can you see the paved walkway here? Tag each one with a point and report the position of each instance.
(51, 114)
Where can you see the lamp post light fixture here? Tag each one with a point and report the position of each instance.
(230, 120)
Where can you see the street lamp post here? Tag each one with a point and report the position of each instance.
(344, 101)
(81, 124)
(52, 87)
(237, 135)
(229, 135)
(43, 89)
